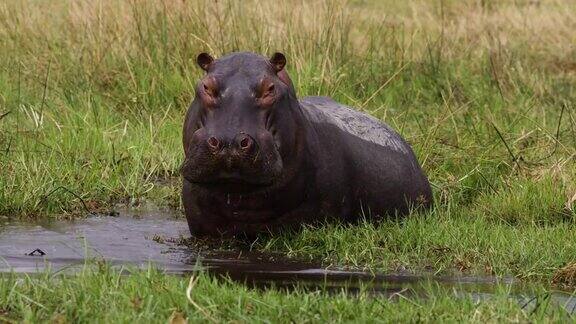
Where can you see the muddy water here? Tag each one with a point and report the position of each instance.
(139, 239)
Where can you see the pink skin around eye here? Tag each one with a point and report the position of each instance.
(209, 91)
(268, 93)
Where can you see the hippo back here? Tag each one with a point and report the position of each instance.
(324, 110)
(372, 163)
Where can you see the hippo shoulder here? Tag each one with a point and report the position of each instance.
(324, 110)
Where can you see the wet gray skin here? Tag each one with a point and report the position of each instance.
(140, 239)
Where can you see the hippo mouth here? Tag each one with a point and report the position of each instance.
(232, 182)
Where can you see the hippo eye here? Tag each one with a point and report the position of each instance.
(208, 90)
(209, 87)
(271, 88)
(266, 93)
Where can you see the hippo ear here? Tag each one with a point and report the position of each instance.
(204, 61)
(278, 61)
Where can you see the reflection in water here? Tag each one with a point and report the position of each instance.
(141, 239)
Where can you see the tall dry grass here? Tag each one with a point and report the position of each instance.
(96, 90)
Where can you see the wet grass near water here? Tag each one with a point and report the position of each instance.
(104, 295)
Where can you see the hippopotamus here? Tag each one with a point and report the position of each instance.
(258, 159)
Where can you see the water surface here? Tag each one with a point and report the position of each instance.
(138, 239)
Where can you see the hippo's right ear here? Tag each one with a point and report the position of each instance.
(204, 61)
(278, 61)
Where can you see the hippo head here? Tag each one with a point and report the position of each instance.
(239, 130)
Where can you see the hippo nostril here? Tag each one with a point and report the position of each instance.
(214, 143)
(244, 143)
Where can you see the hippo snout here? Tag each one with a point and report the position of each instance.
(219, 159)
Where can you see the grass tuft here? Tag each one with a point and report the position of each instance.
(566, 276)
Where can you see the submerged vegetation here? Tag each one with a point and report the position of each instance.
(93, 94)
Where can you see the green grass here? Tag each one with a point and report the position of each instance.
(104, 296)
(93, 94)
(438, 243)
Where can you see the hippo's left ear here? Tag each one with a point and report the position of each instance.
(278, 61)
(204, 61)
